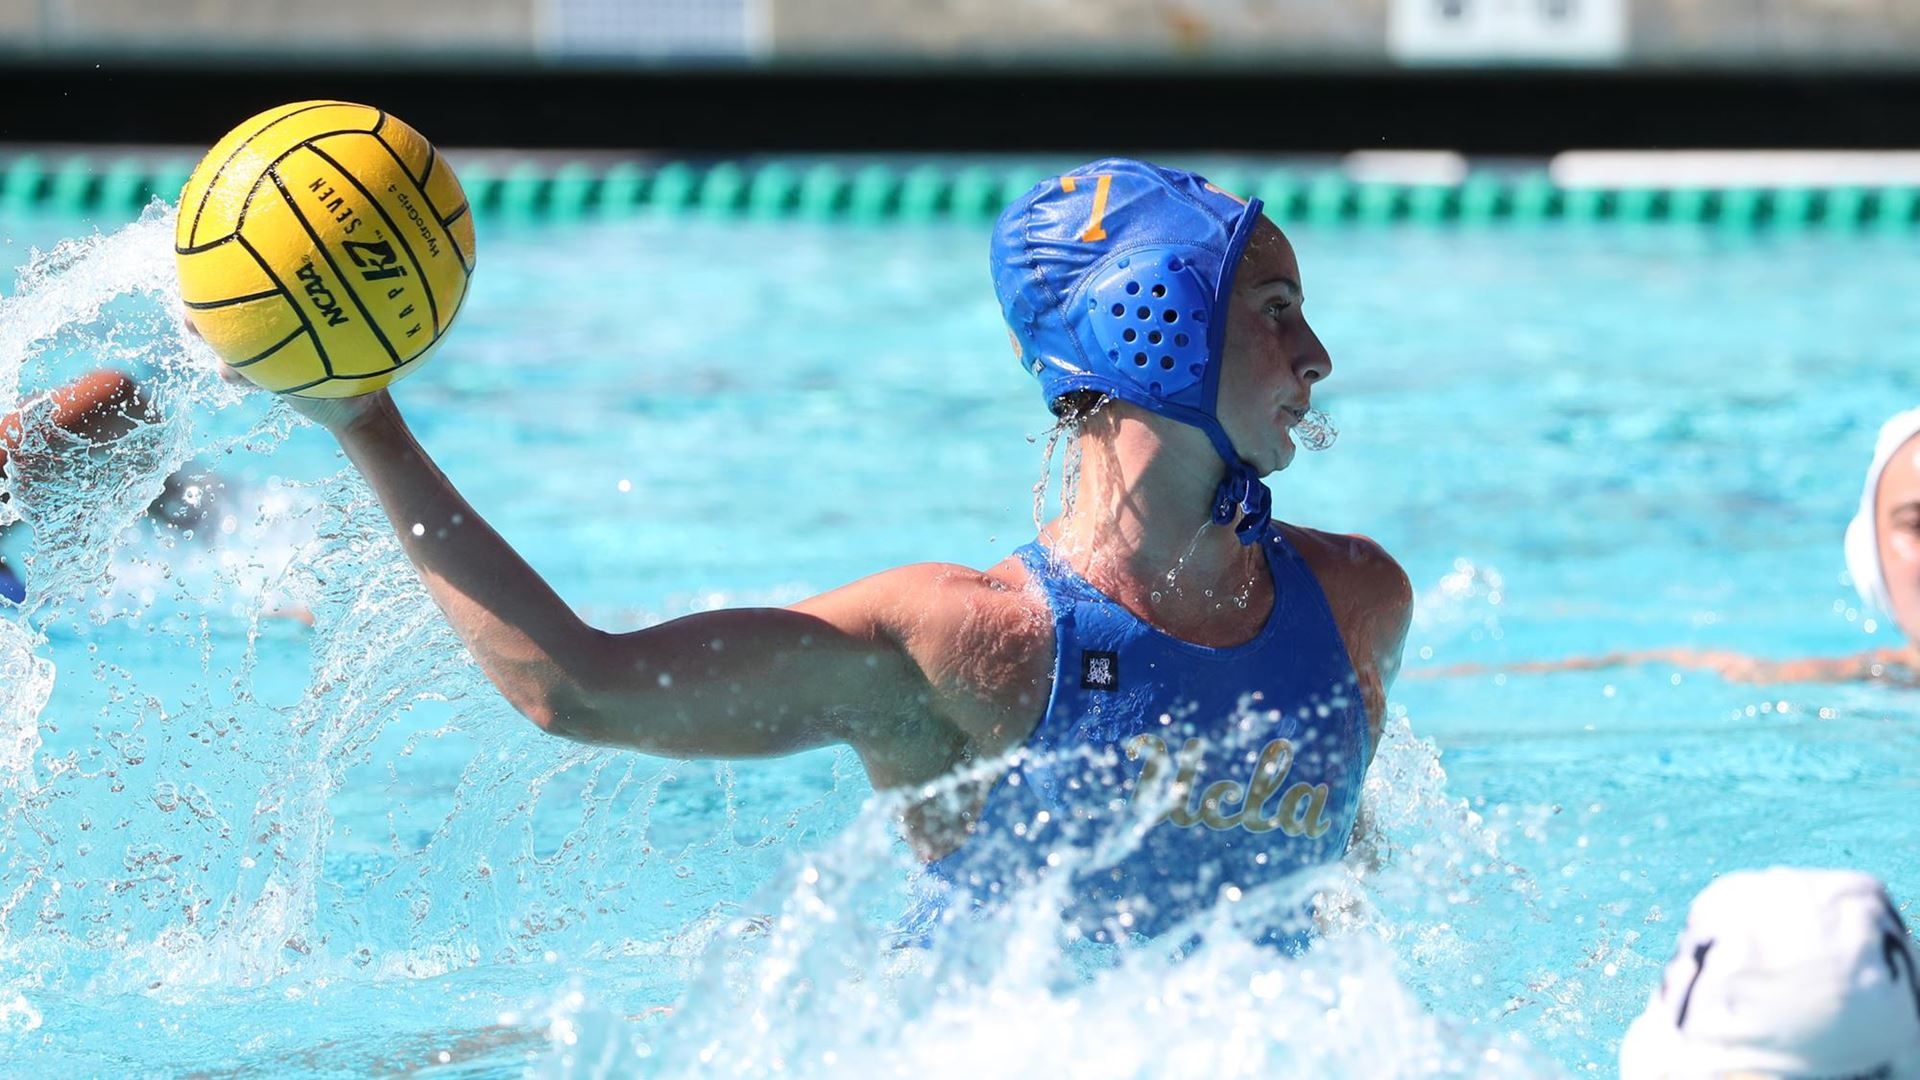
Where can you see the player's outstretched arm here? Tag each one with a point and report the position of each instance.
(735, 683)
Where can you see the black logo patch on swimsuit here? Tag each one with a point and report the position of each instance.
(1099, 670)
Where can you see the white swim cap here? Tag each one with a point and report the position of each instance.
(1863, 534)
(1784, 973)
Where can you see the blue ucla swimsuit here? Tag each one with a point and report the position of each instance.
(1251, 758)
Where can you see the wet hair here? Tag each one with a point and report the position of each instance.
(1078, 407)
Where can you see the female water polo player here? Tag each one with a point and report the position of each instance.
(1883, 559)
(1164, 653)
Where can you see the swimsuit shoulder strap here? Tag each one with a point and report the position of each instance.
(1308, 604)
(1061, 583)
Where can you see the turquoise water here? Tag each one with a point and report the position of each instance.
(232, 845)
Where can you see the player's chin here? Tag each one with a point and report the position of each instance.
(1282, 453)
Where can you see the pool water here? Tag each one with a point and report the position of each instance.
(234, 845)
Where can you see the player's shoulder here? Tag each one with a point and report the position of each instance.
(951, 617)
(944, 615)
(1353, 568)
(982, 638)
(932, 594)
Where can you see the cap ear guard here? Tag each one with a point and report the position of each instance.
(1862, 548)
(1863, 533)
(1148, 313)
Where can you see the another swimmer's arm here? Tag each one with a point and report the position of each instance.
(1735, 667)
(1889, 664)
(735, 683)
(98, 407)
(1892, 665)
(1678, 657)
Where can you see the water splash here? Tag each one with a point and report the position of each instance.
(1315, 430)
(816, 987)
(26, 682)
(1464, 605)
(1054, 435)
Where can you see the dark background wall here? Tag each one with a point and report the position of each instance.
(973, 108)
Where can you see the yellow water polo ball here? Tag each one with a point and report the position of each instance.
(324, 248)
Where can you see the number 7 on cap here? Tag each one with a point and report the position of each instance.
(1102, 181)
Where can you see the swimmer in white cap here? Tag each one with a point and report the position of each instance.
(1883, 558)
(1883, 542)
(1788, 974)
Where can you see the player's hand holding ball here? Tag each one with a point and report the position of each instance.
(324, 249)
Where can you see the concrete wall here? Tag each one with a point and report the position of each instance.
(1743, 31)
(1661, 32)
(340, 27)
(19, 20)
(1081, 31)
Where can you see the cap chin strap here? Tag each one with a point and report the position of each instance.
(1242, 491)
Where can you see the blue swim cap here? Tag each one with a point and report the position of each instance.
(1114, 278)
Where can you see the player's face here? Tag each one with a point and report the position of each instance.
(1897, 521)
(1271, 358)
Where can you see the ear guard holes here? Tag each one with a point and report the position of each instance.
(1140, 310)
